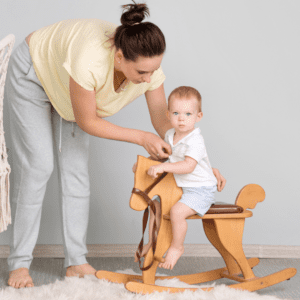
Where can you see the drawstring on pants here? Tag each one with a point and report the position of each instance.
(73, 130)
(60, 132)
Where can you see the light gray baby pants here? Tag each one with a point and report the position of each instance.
(37, 133)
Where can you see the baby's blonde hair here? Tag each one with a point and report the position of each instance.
(186, 92)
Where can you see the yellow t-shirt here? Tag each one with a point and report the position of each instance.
(79, 48)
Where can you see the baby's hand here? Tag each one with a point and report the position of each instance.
(134, 167)
(153, 171)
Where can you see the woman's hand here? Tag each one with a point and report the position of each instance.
(221, 180)
(155, 146)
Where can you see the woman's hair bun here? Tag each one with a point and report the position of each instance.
(134, 13)
(145, 39)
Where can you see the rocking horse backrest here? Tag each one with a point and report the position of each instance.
(166, 189)
(250, 195)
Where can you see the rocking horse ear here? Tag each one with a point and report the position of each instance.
(250, 195)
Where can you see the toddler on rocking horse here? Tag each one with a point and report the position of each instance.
(191, 168)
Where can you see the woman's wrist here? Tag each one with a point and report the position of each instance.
(141, 137)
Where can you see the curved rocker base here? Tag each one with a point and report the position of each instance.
(251, 285)
(190, 278)
(134, 283)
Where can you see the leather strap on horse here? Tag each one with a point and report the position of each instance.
(145, 220)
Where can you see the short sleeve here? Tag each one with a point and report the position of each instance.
(157, 79)
(82, 65)
(196, 150)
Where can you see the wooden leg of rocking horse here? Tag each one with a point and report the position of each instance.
(226, 235)
(212, 235)
(164, 240)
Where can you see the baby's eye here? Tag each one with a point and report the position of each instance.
(175, 113)
(188, 114)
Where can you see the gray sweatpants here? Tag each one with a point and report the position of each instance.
(37, 133)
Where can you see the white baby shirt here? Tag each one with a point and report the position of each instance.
(193, 146)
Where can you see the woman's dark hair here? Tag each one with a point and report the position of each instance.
(135, 38)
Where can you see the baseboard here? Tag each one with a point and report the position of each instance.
(196, 250)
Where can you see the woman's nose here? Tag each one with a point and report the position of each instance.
(147, 78)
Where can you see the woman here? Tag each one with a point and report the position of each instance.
(61, 83)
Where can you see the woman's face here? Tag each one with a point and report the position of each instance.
(138, 71)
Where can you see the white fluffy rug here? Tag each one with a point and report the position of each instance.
(91, 288)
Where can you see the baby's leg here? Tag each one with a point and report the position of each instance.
(178, 214)
(151, 221)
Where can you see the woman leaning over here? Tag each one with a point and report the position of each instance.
(61, 84)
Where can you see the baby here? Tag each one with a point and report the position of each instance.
(191, 168)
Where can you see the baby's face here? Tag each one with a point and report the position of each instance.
(184, 113)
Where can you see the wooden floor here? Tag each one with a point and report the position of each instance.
(48, 270)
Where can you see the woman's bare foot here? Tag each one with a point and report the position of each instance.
(80, 270)
(144, 251)
(20, 278)
(171, 258)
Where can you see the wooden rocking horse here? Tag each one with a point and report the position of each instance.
(223, 226)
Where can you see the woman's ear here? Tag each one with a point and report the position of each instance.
(118, 56)
(168, 114)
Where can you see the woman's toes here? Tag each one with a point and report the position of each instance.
(20, 278)
(29, 285)
(80, 270)
(11, 283)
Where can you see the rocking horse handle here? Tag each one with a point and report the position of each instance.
(143, 182)
(250, 195)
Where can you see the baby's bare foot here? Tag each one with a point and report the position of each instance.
(144, 251)
(80, 270)
(171, 258)
(20, 278)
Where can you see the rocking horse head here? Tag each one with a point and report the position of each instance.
(164, 186)
(145, 188)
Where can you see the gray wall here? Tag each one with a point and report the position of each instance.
(243, 56)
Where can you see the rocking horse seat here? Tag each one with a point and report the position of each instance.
(224, 208)
(220, 208)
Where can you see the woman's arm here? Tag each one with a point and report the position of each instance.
(84, 107)
(157, 106)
